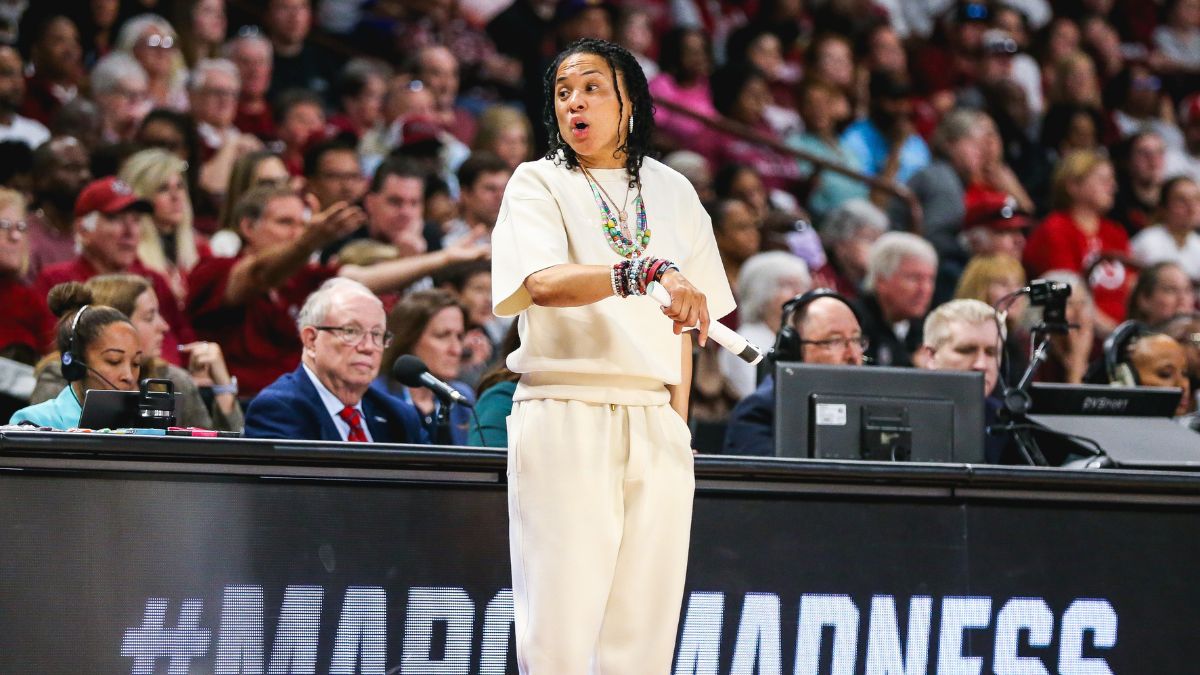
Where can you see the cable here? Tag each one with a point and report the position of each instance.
(105, 379)
(479, 428)
(1084, 440)
(1002, 305)
(97, 374)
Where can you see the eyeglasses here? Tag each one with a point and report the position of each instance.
(353, 335)
(860, 341)
(13, 225)
(156, 41)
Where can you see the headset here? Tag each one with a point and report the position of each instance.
(788, 345)
(73, 367)
(1116, 352)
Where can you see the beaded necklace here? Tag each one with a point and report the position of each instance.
(626, 244)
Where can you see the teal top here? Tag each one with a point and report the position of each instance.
(833, 189)
(60, 412)
(493, 409)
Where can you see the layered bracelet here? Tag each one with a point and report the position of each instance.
(631, 277)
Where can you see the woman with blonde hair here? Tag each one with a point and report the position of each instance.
(1076, 236)
(989, 278)
(169, 244)
(134, 297)
(505, 131)
(154, 43)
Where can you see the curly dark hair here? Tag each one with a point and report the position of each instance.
(637, 144)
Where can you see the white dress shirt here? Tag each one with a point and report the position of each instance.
(334, 406)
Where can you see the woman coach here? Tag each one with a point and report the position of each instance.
(600, 464)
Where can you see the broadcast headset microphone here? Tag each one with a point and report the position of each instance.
(103, 378)
(75, 368)
(412, 372)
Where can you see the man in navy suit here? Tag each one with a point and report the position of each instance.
(826, 331)
(330, 396)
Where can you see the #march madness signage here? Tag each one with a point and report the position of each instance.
(291, 568)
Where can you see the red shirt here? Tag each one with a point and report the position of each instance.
(343, 125)
(43, 98)
(27, 320)
(81, 270)
(259, 338)
(47, 245)
(828, 276)
(261, 123)
(1058, 243)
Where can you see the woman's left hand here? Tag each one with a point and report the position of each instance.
(689, 307)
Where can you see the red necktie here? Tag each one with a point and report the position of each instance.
(350, 416)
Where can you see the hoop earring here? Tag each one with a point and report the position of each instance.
(560, 139)
(631, 124)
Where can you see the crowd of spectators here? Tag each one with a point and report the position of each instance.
(266, 149)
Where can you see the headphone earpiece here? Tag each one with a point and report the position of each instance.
(788, 345)
(1116, 353)
(1125, 375)
(73, 368)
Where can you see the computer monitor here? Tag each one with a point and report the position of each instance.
(876, 413)
(1132, 427)
(1093, 399)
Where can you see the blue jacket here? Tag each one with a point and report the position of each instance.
(61, 412)
(751, 429)
(291, 408)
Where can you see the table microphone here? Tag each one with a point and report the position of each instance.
(412, 372)
(729, 339)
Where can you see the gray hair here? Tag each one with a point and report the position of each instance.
(692, 165)
(959, 124)
(316, 306)
(134, 27)
(247, 37)
(939, 324)
(852, 217)
(891, 250)
(760, 278)
(113, 69)
(204, 67)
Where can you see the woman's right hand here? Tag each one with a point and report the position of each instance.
(206, 363)
(688, 308)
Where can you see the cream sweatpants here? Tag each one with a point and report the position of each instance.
(600, 508)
